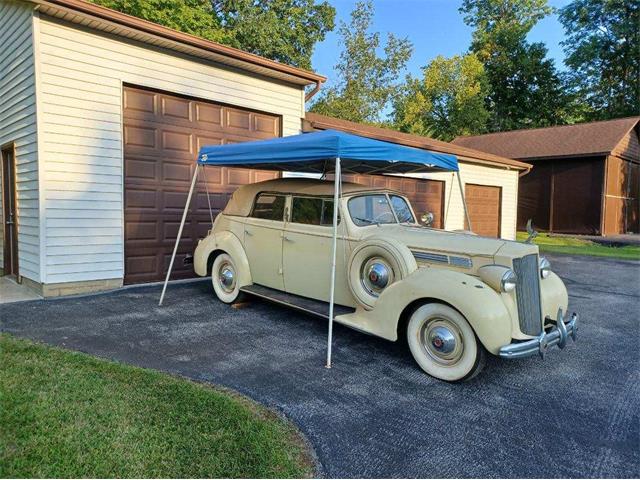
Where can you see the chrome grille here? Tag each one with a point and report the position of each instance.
(528, 294)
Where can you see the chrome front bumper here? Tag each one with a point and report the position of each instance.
(556, 336)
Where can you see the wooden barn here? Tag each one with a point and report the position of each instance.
(585, 179)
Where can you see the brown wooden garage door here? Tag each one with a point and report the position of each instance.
(424, 195)
(162, 135)
(483, 203)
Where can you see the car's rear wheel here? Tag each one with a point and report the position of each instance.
(443, 343)
(224, 277)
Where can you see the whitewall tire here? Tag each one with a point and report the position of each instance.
(443, 343)
(224, 277)
(374, 265)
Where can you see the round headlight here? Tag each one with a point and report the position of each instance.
(508, 281)
(545, 267)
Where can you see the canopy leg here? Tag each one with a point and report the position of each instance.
(336, 196)
(175, 247)
(464, 201)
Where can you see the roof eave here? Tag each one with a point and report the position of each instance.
(221, 53)
(464, 154)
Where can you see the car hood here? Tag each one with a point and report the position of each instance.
(429, 239)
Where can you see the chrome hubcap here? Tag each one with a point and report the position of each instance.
(227, 277)
(376, 275)
(441, 340)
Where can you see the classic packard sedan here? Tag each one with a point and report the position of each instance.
(454, 296)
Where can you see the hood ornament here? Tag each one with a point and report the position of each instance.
(532, 233)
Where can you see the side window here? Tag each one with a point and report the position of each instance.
(312, 211)
(269, 207)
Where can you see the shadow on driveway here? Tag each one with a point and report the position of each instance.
(375, 414)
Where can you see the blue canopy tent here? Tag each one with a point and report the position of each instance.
(328, 151)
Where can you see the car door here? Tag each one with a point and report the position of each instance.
(307, 248)
(263, 233)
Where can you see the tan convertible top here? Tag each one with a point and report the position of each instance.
(242, 199)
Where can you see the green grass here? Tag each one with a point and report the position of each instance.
(577, 246)
(67, 414)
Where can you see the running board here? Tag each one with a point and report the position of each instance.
(308, 305)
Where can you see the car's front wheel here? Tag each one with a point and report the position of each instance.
(224, 277)
(443, 343)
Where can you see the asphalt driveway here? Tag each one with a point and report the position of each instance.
(375, 414)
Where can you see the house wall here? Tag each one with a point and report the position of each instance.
(18, 125)
(622, 193)
(479, 175)
(81, 91)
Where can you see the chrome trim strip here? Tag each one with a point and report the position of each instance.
(455, 261)
(540, 345)
(461, 262)
(430, 257)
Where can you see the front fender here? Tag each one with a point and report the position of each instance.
(482, 306)
(228, 243)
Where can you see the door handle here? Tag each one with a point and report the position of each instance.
(247, 232)
(287, 239)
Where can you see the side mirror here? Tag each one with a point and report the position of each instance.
(427, 219)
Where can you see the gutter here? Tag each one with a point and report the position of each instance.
(86, 8)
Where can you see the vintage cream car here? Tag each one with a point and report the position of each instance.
(454, 296)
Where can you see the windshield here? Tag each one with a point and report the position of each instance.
(376, 209)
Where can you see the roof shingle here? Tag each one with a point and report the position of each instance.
(594, 138)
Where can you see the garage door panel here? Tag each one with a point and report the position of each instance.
(202, 140)
(139, 101)
(176, 172)
(237, 176)
(138, 136)
(136, 229)
(266, 125)
(179, 108)
(177, 141)
(483, 204)
(163, 133)
(238, 120)
(136, 199)
(209, 116)
(141, 170)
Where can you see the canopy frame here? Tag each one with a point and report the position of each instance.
(203, 161)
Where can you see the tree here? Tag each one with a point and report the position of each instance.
(603, 53)
(449, 100)
(524, 88)
(282, 30)
(366, 81)
(189, 16)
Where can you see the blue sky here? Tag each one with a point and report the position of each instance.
(434, 27)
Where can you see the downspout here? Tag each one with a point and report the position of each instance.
(312, 93)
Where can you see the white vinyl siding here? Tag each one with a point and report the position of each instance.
(18, 125)
(479, 175)
(81, 85)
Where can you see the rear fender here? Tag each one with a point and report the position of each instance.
(482, 306)
(226, 242)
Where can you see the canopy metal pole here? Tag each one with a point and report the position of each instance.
(175, 247)
(336, 194)
(464, 202)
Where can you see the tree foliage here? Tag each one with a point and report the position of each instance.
(283, 30)
(524, 88)
(367, 81)
(603, 53)
(449, 99)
